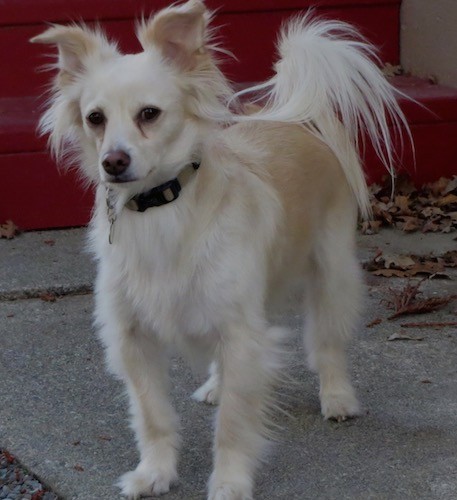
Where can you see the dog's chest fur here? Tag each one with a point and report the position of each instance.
(178, 270)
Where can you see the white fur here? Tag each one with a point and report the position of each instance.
(272, 209)
(346, 93)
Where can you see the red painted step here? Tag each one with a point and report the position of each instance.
(431, 111)
(37, 195)
(248, 28)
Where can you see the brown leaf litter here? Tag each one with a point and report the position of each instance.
(405, 301)
(432, 208)
(408, 266)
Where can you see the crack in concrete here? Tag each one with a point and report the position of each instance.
(37, 293)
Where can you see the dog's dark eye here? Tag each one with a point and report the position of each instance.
(149, 114)
(96, 118)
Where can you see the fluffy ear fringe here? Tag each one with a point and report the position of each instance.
(78, 47)
(186, 42)
(178, 32)
(76, 44)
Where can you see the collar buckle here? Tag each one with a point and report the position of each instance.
(156, 197)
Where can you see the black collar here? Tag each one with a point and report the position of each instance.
(163, 194)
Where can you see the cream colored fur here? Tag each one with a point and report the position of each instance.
(272, 209)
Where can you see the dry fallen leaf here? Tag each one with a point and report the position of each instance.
(371, 226)
(398, 261)
(408, 223)
(449, 199)
(105, 438)
(408, 266)
(431, 227)
(446, 226)
(405, 301)
(399, 336)
(48, 297)
(389, 273)
(375, 322)
(432, 212)
(438, 187)
(8, 230)
(9, 458)
(453, 217)
(402, 202)
(450, 258)
(429, 268)
(451, 185)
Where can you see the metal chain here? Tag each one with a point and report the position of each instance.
(111, 214)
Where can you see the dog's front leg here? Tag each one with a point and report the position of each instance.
(246, 372)
(154, 421)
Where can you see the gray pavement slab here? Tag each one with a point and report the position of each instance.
(45, 261)
(398, 242)
(66, 419)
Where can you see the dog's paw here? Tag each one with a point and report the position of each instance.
(209, 392)
(339, 405)
(141, 482)
(229, 491)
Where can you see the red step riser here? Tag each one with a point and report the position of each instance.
(30, 12)
(36, 195)
(256, 54)
(434, 155)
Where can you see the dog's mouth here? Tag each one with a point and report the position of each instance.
(125, 178)
(121, 180)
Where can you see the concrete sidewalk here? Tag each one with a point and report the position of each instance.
(65, 418)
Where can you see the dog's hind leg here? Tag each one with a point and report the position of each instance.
(247, 362)
(154, 421)
(332, 314)
(209, 392)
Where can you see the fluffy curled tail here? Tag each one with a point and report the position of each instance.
(328, 80)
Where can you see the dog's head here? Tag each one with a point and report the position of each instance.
(134, 120)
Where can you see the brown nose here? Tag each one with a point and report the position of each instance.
(116, 162)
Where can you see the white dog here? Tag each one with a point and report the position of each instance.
(206, 214)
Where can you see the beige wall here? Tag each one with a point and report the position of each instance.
(429, 39)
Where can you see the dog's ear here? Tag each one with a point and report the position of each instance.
(76, 45)
(178, 33)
